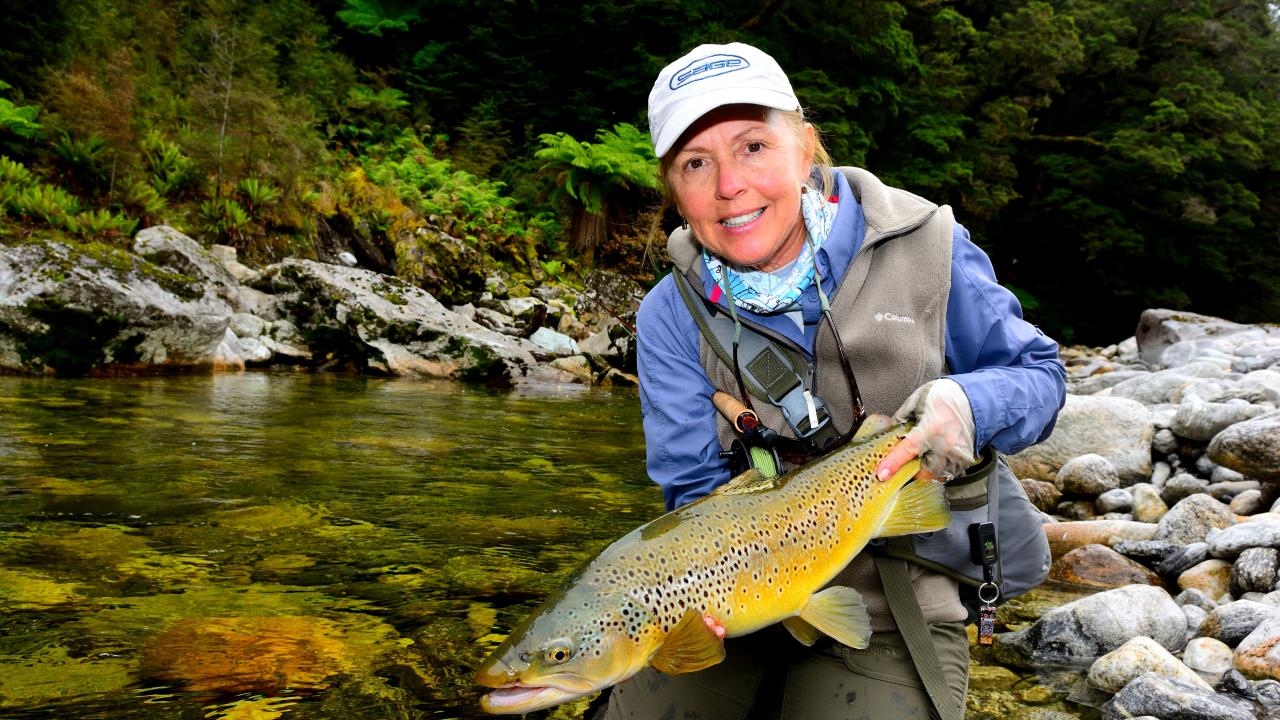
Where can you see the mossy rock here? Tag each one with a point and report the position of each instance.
(491, 575)
(269, 519)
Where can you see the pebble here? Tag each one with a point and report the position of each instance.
(1044, 495)
(1146, 551)
(1141, 655)
(1232, 622)
(1259, 532)
(1148, 506)
(1182, 485)
(1195, 618)
(1191, 519)
(1117, 500)
(1160, 472)
(1196, 598)
(1067, 536)
(1212, 577)
(1249, 502)
(1251, 447)
(1258, 654)
(1227, 475)
(1164, 442)
(1099, 566)
(1227, 489)
(1255, 571)
(1183, 559)
(1090, 474)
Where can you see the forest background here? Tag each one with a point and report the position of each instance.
(1110, 156)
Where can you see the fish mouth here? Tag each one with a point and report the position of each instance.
(519, 698)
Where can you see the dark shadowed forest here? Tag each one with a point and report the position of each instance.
(1110, 156)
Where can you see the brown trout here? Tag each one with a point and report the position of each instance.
(753, 553)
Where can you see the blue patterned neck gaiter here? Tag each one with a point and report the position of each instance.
(769, 292)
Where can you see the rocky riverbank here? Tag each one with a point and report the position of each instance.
(171, 305)
(1163, 476)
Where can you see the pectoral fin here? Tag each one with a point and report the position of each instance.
(802, 631)
(690, 646)
(839, 612)
(873, 425)
(921, 506)
(750, 481)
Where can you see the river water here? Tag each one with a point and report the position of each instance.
(290, 545)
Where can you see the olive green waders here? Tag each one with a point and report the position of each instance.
(769, 676)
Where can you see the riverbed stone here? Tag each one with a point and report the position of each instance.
(1140, 655)
(1115, 500)
(1232, 622)
(1258, 531)
(1154, 388)
(1044, 495)
(1118, 429)
(1090, 474)
(1079, 632)
(1225, 490)
(1076, 510)
(1101, 567)
(554, 342)
(1208, 657)
(1172, 698)
(1195, 616)
(1258, 654)
(1195, 597)
(1147, 505)
(1164, 441)
(1200, 421)
(1251, 447)
(1211, 577)
(248, 654)
(1191, 519)
(1147, 552)
(1255, 570)
(1160, 473)
(1180, 486)
(1066, 536)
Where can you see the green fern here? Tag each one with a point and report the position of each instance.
(372, 17)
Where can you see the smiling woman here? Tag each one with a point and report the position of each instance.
(794, 265)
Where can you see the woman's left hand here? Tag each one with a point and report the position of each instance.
(943, 436)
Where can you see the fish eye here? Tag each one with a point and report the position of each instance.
(558, 652)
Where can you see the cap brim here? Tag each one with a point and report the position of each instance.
(695, 107)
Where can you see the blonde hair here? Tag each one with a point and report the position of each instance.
(795, 121)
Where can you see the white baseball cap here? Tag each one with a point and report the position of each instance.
(708, 77)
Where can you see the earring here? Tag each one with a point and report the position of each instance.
(684, 225)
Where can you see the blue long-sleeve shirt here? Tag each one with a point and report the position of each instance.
(1009, 370)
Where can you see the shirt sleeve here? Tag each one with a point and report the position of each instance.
(681, 446)
(1008, 368)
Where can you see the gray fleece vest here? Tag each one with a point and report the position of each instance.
(890, 309)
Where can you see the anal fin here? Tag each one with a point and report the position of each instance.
(690, 646)
(839, 612)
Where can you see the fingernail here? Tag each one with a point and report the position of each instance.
(882, 473)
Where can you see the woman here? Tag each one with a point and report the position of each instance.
(773, 237)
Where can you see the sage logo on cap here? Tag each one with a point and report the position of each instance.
(707, 67)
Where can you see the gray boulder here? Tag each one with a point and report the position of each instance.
(1172, 698)
(1090, 474)
(381, 323)
(76, 309)
(1202, 420)
(1191, 519)
(1251, 447)
(1161, 329)
(1076, 634)
(1115, 428)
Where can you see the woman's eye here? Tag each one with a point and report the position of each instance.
(693, 164)
(755, 147)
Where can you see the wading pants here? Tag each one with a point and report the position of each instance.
(769, 676)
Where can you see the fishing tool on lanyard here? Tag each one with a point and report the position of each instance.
(814, 429)
(982, 545)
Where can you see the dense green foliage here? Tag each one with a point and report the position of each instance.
(1110, 156)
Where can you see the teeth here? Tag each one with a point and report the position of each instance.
(742, 219)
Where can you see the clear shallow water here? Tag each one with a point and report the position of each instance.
(262, 546)
(316, 546)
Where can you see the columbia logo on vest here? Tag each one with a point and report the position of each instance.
(883, 316)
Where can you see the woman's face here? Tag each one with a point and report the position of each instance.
(736, 178)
